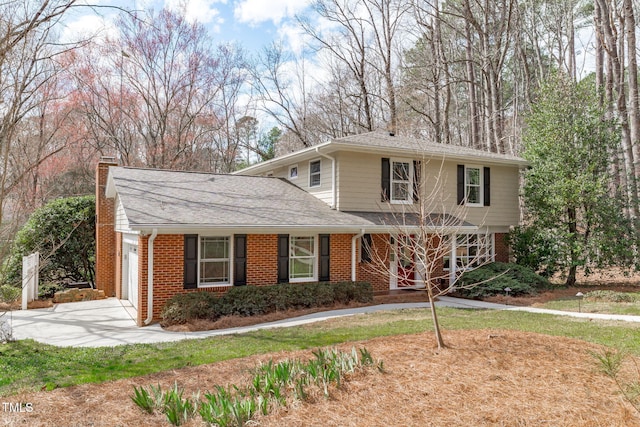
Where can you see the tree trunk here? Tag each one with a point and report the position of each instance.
(573, 251)
(612, 46)
(632, 76)
(474, 125)
(434, 317)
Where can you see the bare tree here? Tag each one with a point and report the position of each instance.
(161, 95)
(27, 67)
(431, 243)
(279, 81)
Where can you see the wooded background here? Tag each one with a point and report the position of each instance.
(162, 93)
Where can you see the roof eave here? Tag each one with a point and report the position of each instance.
(280, 161)
(426, 153)
(292, 229)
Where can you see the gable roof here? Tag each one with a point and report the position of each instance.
(174, 200)
(386, 144)
(385, 141)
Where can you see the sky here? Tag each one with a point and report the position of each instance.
(252, 23)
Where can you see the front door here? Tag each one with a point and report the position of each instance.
(406, 266)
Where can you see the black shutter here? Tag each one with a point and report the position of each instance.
(417, 165)
(487, 187)
(365, 250)
(386, 179)
(325, 271)
(283, 258)
(240, 259)
(461, 195)
(190, 261)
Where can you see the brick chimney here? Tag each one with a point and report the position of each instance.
(105, 233)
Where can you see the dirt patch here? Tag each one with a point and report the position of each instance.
(484, 378)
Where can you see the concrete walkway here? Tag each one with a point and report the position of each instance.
(107, 323)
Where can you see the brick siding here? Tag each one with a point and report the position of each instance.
(340, 257)
(105, 235)
(262, 266)
(262, 259)
(375, 272)
(501, 247)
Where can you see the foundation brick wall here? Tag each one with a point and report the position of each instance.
(340, 257)
(501, 247)
(262, 265)
(168, 273)
(105, 235)
(262, 251)
(262, 259)
(375, 272)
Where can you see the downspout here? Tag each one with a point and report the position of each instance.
(334, 192)
(150, 277)
(354, 251)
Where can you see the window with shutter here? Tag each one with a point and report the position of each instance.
(190, 261)
(240, 259)
(474, 185)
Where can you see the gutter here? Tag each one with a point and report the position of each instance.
(354, 239)
(150, 277)
(334, 192)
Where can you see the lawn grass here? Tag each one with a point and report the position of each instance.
(28, 365)
(630, 306)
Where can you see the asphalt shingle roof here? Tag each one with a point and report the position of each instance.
(384, 140)
(163, 198)
(412, 219)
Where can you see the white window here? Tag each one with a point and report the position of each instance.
(293, 172)
(215, 262)
(473, 185)
(471, 250)
(302, 258)
(401, 181)
(314, 173)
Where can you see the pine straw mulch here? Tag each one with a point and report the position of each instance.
(484, 378)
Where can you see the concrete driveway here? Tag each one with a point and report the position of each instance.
(107, 323)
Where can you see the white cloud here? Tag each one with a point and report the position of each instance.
(87, 26)
(293, 37)
(202, 11)
(255, 12)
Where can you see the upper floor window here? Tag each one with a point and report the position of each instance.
(401, 187)
(314, 173)
(293, 172)
(474, 185)
(400, 180)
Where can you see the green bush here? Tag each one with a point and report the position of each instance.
(9, 293)
(184, 307)
(494, 278)
(258, 300)
(63, 231)
(536, 249)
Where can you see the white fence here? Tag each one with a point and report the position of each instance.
(30, 277)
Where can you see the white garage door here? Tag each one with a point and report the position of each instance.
(132, 279)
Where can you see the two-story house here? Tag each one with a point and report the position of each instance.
(313, 215)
